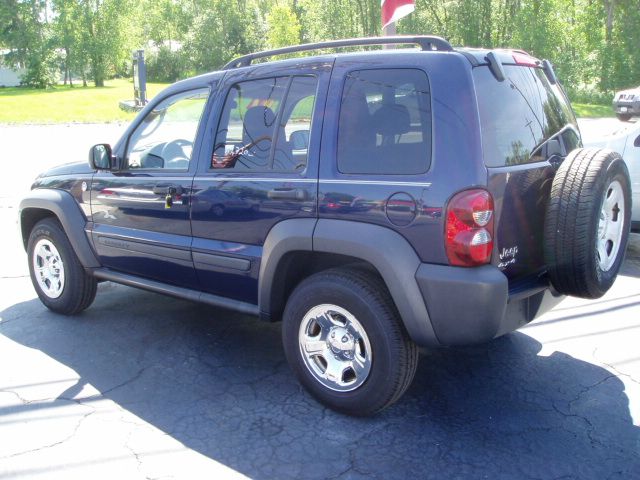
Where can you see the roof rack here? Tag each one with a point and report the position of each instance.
(426, 42)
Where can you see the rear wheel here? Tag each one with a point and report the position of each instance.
(623, 117)
(56, 273)
(345, 342)
(587, 222)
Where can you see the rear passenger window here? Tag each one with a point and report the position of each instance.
(265, 125)
(385, 123)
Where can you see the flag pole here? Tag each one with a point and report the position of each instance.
(393, 10)
(389, 31)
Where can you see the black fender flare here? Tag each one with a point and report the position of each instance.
(386, 250)
(395, 260)
(61, 204)
(285, 237)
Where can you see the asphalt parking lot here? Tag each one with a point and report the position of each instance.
(144, 386)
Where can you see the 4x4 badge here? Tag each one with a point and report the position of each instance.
(508, 256)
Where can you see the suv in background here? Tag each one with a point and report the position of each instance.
(627, 104)
(373, 201)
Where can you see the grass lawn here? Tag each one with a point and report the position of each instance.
(65, 104)
(585, 110)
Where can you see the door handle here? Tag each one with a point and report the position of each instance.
(287, 194)
(168, 189)
(169, 192)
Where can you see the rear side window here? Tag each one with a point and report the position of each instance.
(519, 114)
(385, 123)
(265, 125)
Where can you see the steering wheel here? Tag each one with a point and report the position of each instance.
(173, 152)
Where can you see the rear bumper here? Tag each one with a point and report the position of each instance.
(629, 108)
(474, 305)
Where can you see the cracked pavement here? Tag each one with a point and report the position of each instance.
(145, 386)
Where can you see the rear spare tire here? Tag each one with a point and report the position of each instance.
(587, 222)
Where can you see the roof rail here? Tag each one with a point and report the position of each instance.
(426, 42)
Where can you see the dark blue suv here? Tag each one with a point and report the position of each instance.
(373, 201)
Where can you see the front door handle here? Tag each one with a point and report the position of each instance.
(170, 193)
(162, 189)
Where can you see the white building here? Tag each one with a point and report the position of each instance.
(9, 77)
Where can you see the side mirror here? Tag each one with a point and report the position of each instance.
(100, 157)
(636, 143)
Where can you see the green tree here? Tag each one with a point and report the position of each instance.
(107, 34)
(25, 30)
(222, 31)
(67, 35)
(283, 27)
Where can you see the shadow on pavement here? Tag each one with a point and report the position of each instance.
(218, 383)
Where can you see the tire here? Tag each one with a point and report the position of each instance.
(56, 273)
(587, 222)
(349, 322)
(623, 117)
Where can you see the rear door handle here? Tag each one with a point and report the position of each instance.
(287, 194)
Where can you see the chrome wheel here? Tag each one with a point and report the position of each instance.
(610, 226)
(48, 268)
(335, 348)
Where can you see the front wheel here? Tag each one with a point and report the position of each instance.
(56, 273)
(345, 342)
(623, 117)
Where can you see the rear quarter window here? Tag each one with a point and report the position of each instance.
(519, 114)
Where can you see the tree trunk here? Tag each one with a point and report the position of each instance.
(609, 6)
(98, 70)
(67, 73)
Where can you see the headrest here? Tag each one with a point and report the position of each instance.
(258, 122)
(391, 119)
(260, 117)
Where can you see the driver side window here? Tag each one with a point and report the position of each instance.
(164, 139)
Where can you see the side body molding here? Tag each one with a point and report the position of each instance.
(64, 207)
(395, 260)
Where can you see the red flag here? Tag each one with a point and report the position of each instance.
(394, 10)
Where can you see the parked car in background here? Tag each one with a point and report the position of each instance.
(626, 141)
(627, 104)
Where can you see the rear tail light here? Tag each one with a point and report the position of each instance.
(469, 229)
